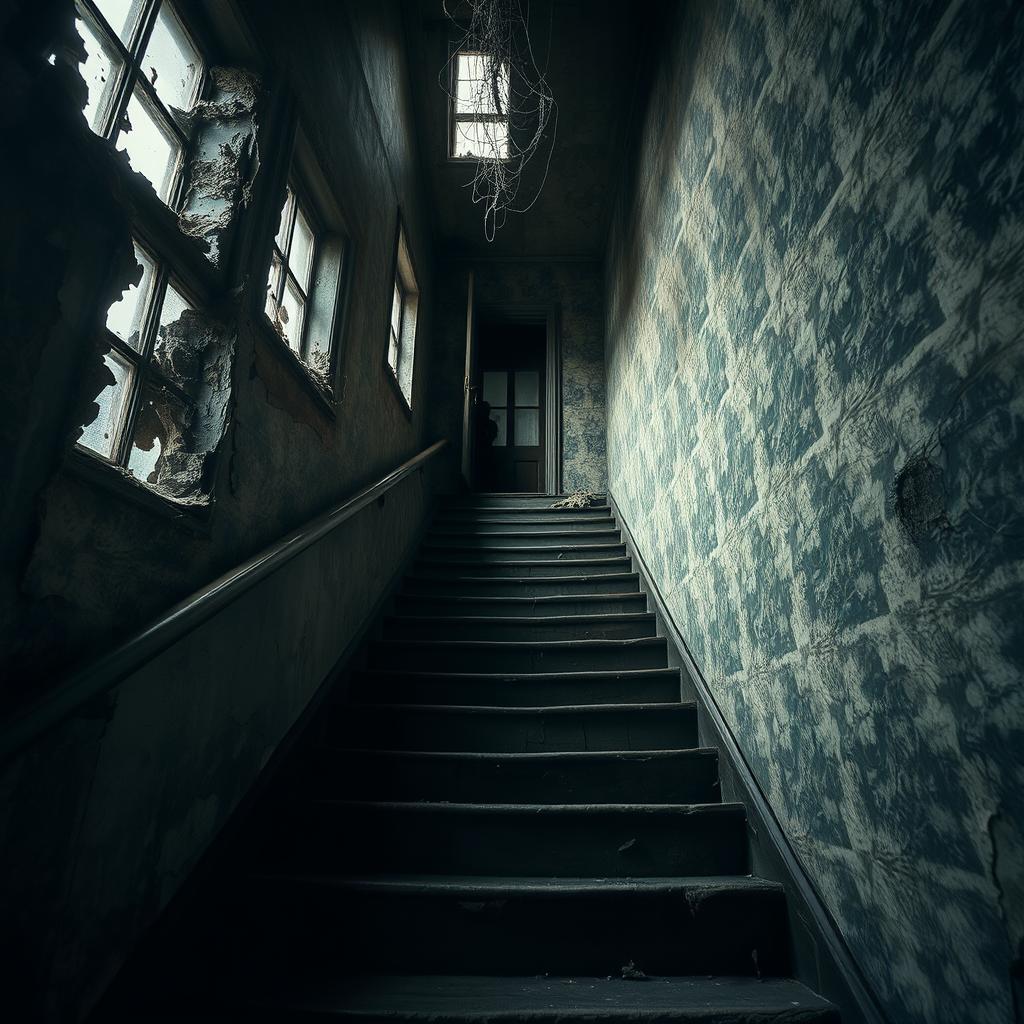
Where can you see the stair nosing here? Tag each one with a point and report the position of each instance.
(602, 674)
(523, 620)
(541, 709)
(524, 885)
(459, 807)
(522, 644)
(530, 755)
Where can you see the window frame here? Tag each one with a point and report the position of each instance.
(143, 369)
(297, 195)
(455, 118)
(130, 76)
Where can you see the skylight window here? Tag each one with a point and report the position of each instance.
(480, 114)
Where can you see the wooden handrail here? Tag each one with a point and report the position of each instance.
(188, 614)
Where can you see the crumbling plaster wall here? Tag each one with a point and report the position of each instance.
(577, 290)
(815, 360)
(87, 563)
(103, 817)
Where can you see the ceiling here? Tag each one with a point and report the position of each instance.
(591, 63)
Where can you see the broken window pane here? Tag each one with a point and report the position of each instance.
(486, 139)
(293, 309)
(300, 258)
(179, 369)
(124, 318)
(99, 71)
(152, 149)
(160, 428)
(284, 224)
(101, 434)
(121, 16)
(171, 62)
(273, 287)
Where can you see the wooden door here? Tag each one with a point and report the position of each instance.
(510, 414)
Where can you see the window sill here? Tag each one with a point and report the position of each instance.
(393, 381)
(95, 470)
(321, 393)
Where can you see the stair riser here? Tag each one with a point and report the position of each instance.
(478, 691)
(668, 728)
(585, 934)
(537, 631)
(690, 778)
(520, 538)
(522, 568)
(531, 549)
(615, 604)
(595, 844)
(568, 586)
(520, 658)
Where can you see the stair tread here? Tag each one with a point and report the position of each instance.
(529, 601)
(500, 885)
(440, 998)
(527, 580)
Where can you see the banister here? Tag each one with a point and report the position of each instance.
(185, 616)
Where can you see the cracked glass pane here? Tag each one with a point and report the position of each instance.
(121, 16)
(124, 318)
(101, 435)
(171, 63)
(160, 429)
(99, 72)
(301, 257)
(152, 149)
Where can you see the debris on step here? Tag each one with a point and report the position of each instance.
(630, 972)
(578, 499)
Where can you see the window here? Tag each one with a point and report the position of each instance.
(479, 122)
(142, 69)
(291, 271)
(144, 410)
(405, 299)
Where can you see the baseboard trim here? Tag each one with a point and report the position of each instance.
(840, 978)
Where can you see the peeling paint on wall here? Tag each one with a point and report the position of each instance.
(816, 430)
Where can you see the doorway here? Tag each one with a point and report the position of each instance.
(511, 414)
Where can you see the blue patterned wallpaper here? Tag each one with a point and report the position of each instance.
(815, 355)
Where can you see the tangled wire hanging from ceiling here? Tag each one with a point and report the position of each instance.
(503, 110)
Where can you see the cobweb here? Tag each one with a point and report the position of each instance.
(512, 110)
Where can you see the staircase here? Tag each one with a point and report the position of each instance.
(514, 820)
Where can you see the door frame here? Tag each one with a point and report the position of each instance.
(502, 314)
